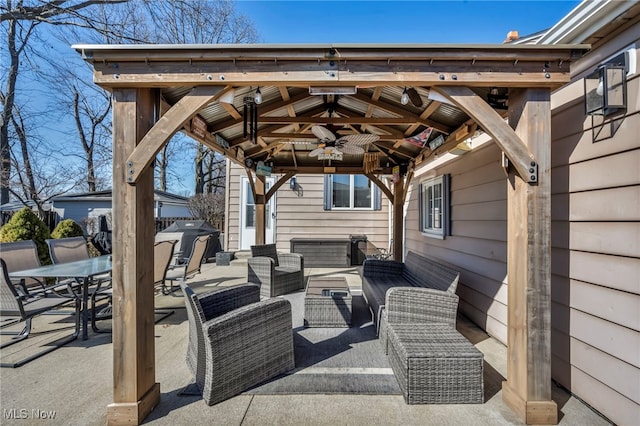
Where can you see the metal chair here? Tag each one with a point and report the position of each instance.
(190, 268)
(162, 255)
(13, 304)
(63, 250)
(21, 255)
(276, 273)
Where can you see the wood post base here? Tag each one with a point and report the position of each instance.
(133, 413)
(531, 412)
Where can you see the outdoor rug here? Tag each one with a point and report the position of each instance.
(335, 360)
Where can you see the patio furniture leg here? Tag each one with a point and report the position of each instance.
(58, 344)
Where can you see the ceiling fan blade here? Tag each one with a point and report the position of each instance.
(351, 149)
(324, 134)
(360, 139)
(316, 152)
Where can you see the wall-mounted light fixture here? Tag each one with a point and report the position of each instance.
(605, 90)
(293, 183)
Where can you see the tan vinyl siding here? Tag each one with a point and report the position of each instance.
(477, 246)
(302, 215)
(596, 250)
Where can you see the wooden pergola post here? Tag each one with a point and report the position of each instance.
(260, 203)
(398, 219)
(135, 391)
(528, 387)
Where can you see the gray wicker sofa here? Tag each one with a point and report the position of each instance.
(378, 276)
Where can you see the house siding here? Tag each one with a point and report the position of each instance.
(595, 236)
(477, 246)
(300, 214)
(596, 244)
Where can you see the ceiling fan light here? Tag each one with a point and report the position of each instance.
(404, 99)
(258, 97)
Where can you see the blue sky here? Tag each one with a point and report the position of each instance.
(333, 21)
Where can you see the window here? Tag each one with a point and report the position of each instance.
(357, 192)
(434, 207)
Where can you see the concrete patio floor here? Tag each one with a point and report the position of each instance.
(73, 385)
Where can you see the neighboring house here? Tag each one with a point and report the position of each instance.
(595, 219)
(88, 205)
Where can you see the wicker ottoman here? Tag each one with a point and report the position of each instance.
(327, 302)
(435, 365)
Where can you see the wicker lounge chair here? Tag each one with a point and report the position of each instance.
(276, 273)
(14, 304)
(190, 268)
(233, 345)
(432, 361)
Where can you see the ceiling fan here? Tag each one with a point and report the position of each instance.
(332, 146)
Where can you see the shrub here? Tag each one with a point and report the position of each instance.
(67, 228)
(25, 225)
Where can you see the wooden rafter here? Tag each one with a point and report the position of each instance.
(504, 136)
(167, 126)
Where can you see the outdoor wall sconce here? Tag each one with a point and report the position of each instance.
(605, 90)
(293, 183)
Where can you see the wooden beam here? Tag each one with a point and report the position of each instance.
(145, 152)
(261, 211)
(233, 112)
(278, 184)
(262, 109)
(135, 392)
(398, 219)
(373, 178)
(336, 120)
(503, 135)
(428, 111)
(401, 112)
(527, 390)
(300, 74)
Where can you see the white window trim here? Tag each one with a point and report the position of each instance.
(351, 198)
(443, 232)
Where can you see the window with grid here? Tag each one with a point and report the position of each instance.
(434, 207)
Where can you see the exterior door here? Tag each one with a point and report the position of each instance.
(248, 216)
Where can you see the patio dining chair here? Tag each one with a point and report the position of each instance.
(162, 255)
(71, 249)
(21, 255)
(13, 304)
(190, 268)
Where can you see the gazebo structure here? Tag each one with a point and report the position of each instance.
(212, 93)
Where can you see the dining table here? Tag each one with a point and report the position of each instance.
(84, 271)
